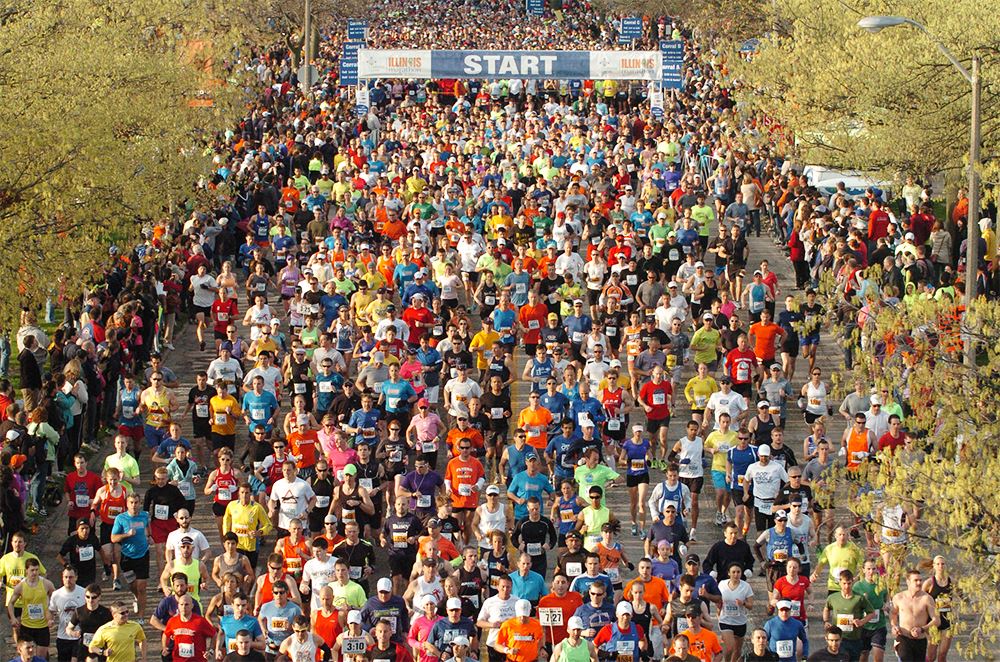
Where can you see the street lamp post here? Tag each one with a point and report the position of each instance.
(876, 24)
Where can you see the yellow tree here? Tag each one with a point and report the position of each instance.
(943, 477)
(97, 130)
(890, 101)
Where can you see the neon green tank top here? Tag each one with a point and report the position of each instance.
(578, 653)
(193, 575)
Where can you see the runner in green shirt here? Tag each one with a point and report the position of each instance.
(591, 473)
(873, 635)
(850, 612)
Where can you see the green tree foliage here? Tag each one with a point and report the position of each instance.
(97, 130)
(888, 101)
(914, 349)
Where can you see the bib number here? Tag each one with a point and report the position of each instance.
(185, 650)
(785, 648)
(201, 411)
(161, 511)
(86, 553)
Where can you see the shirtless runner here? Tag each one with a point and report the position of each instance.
(913, 613)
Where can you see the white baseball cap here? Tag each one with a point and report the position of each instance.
(624, 608)
(521, 608)
(575, 623)
(384, 584)
(354, 616)
(454, 603)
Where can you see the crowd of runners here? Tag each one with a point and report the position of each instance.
(427, 344)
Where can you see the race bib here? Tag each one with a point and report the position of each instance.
(257, 414)
(730, 608)
(355, 572)
(567, 515)
(614, 425)
(578, 337)
(185, 650)
(428, 446)
(533, 324)
(614, 575)
(490, 301)
(574, 569)
(348, 515)
(550, 616)
(221, 419)
(396, 456)
(353, 646)
(638, 465)
(424, 501)
(465, 490)
(780, 555)
(241, 530)
(392, 403)
(161, 511)
(785, 648)
(700, 401)
(225, 494)
(845, 622)
(534, 548)
(36, 612)
(128, 411)
(82, 500)
(496, 412)
(223, 316)
(87, 638)
(659, 399)
(86, 553)
(187, 489)
(326, 387)
(611, 332)
(277, 624)
(365, 483)
(298, 387)
(796, 608)
(399, 540)
(201, 410)
(322, 501)
(438, 330)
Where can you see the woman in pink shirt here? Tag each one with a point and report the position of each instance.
(420, 628)
(340, 455)
(425, 431)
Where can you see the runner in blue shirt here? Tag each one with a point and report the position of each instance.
(635, 452)
(557, 451)
(397, 396)
(232, 623)
(528, 483)
(260, 407)
(555, 401)
(131, 531)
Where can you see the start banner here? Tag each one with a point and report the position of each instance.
(538, 65)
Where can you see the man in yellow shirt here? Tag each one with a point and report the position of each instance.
(223, 412)
(248, 520)
(481, 345)
(12, 565)
(117, 640)
(718, 443)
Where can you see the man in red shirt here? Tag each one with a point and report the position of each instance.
(531, 318)
(419, 318)
(81, 487)
(742, 365)
(767, 337)
(878, 223)
(191, 633)
(894, 438)
(656, 397)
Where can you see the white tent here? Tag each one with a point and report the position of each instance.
(856, 182)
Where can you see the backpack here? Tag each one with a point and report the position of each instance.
(35, 448)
